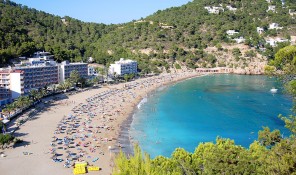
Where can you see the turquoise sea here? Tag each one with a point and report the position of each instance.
(200, 109)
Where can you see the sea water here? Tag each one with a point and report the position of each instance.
(200, 109)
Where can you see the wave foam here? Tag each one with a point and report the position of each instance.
(144, 100)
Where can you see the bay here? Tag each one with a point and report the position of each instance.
(201, 109)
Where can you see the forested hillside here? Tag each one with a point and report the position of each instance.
(189, 35)
(24, 30)
(182, 33)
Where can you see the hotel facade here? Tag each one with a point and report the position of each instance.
(39, 76)
(35, 73)
(123, 67)
(65, 69)
(11, 85)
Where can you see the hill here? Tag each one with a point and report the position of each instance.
(24, 30)
(184, 33)
(197, 34)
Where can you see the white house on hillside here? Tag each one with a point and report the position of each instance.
(273, 41)
(271, 8)
(274, 26)
(260, 30)
(231, 8)
(292, 12)
(231, 32)
(240, 39)
(214, 10)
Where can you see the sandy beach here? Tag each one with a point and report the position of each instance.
(87, 126)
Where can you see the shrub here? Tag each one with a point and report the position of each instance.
(5, 138)
(177, 66)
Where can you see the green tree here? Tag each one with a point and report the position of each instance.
(135, 165)
(183, 159)
(177, 66)
(9, 108)
(23, 101)
(74, 77)
(35, 95)
(250, 53)
(268, 138)
(82, 81)
(126, 77)
(285, 59)
(236, 52)
(269, 70)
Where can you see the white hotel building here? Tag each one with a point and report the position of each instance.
(20, 80)
(35, 73)
(123, 67)
(39, 74)
(65, 69)
(11, 85)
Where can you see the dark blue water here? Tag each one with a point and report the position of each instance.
(200, 109)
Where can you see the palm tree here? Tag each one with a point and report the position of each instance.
(53, 88)
(61, 86)
(126, 77)
(74, 77)
(34, 95)
(9, 108)
(23, 101)
(65, 86)
(115, 77)
(43, 92)
(68, 84)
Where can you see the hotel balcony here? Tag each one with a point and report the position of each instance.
(4, 82)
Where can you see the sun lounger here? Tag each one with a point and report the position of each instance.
(57, 160)
(95, 159)
(79, 170)
(27, 153)
(93, 168)
(80, 164)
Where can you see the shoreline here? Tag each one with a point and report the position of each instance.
(124, 133)
(112, 114)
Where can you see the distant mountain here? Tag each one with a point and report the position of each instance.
(201, 33)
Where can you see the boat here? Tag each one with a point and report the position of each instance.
(273, 90)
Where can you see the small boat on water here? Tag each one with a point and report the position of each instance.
(273, 90)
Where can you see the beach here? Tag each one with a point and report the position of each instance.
(87, 126)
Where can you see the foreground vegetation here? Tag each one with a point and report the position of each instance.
(270, 154)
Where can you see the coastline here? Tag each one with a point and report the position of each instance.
(38, 133)
(124, 133)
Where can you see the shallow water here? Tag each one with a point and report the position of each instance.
(200, 109)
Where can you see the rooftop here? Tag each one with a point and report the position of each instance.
(123, 61)
(7, 70)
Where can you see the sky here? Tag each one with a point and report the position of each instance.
(102, 11)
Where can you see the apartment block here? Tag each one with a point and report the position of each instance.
(35, 73)
(65, 69)
(39, 76)
(11, 85)
(123, 67)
